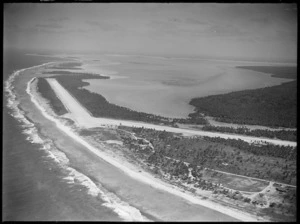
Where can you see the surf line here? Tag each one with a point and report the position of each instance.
(123, 209)
(133, 174)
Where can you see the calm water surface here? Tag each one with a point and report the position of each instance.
(165, 86)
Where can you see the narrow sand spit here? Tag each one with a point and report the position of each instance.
(84, 119)
(143, 177)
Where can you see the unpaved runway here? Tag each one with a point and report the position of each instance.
(84, 119)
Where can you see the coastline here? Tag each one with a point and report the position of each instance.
(71, 176)
(135, 170)
(150, 92)
(135, 174)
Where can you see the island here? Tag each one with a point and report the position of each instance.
(256, 177)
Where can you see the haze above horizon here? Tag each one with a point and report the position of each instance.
(224, 31)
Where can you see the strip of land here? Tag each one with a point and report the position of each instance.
(84, 119)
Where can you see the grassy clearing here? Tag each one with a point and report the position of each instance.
(236, 182)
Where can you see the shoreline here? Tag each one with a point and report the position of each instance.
(211, 120)
(149, 180)
(177, 92)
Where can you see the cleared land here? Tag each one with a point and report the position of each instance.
(103, 108)
(289, 135)
(84, 119)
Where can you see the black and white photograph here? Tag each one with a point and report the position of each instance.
(151, 111)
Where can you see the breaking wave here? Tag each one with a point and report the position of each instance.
(112, 201)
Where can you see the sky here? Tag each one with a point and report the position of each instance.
(214, 30)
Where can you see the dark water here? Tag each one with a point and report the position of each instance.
(33, 188)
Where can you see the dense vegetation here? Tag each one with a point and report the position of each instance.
(270, 150)
(271, 106)
(286, 72)
(197, 163)
(46, 91)
(100, 107)
(281, 134)
(268, 162)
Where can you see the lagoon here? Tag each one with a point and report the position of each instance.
(164, 86)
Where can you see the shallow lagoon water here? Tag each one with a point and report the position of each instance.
(165, 86)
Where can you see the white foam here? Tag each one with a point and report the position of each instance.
(69, 179)
(123, 209)
(62, 158)
(50, 155)
(28, 128)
